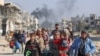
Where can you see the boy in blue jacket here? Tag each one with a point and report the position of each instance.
(82, 46)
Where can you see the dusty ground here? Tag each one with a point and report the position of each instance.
(6, 51)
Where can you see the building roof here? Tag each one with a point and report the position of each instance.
(12, 5)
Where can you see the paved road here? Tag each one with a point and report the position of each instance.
(9, 54)
(6, 51)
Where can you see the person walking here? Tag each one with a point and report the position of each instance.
(57, 28)
(17, 46)
(21, 38)
(15, 43)
(40, 40)
(32, 47)
(45, 38)
(54, 44)
(82, 46)
(64, 44)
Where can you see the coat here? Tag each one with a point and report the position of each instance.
(89, 47)
(32, 49)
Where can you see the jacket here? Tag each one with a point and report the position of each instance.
(21, 38)
(89, 47)
(32, 49)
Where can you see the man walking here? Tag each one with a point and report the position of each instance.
(82, 46)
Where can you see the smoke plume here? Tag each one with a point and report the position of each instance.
(44, 13)
(66, 7)
(63, 9)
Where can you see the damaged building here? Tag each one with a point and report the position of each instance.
(13, 18)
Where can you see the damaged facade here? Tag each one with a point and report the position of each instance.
(13, 18)
(86, 23)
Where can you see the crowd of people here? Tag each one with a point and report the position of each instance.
(57, 43)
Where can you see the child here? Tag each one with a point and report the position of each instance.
(55, 44)
(32, 47)
(64, 44)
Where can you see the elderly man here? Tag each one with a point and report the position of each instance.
(82, 46)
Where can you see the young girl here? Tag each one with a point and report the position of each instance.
(39, 39)
(64, 44)
(45, 38)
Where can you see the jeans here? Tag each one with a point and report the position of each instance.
(15, 49)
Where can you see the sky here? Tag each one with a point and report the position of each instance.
(80, 7)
